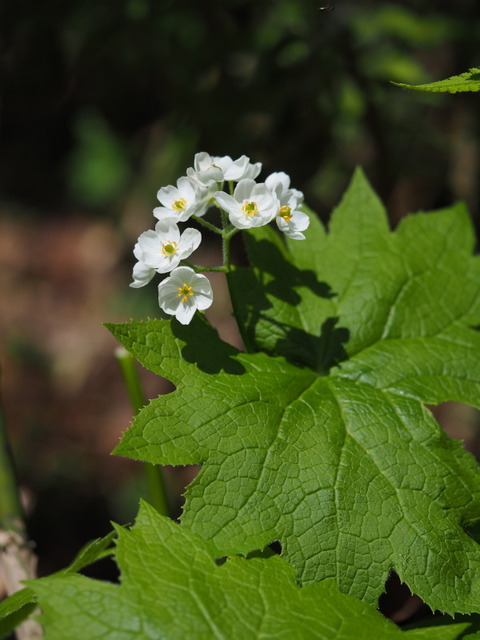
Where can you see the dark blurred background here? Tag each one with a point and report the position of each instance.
(102, 102)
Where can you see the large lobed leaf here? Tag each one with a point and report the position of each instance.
(329, 448)
(171, 587)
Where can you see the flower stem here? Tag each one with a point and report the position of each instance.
(226, 243)
(198, 268)
(11, 514)
(17, 559)
(208, 225)
(154, 474)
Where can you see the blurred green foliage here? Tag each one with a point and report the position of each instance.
(93, 91)
(98, 165)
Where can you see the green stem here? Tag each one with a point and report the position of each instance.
(154, 474)
(11, 513)
(198, 268)
(226, 243)
(208, 225)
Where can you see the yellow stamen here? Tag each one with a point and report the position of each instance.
(286, 213)
(169, 248)
(179, 204)
(186, 291)
(250, 208)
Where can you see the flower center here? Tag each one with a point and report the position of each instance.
(169, 248)
(179, 205)
(184, 292)
(286, 213)
(249, 208)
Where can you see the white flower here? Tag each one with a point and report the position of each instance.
(292, 223)
(183, 293)
(162, 250)
(252, 204)
(205, 172)
(288, 218)
(280, 183)
(209, 170)
(141, 273)
(238, 169)
(181, 202)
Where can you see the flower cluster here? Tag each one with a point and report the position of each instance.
(248, 204)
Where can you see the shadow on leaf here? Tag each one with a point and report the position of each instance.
(271, 330)
(204, 348)
(268, 259)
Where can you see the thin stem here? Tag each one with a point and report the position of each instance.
(225, 243)
(11, 513)
(226, 253)
(208, 225)
(17, 559)
(154, 474)
(198, 268)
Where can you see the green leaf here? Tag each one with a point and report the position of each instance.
(329, 448)
(15, 609)
(171, 587)
(92, 552)
(468, 81)
(438, 621)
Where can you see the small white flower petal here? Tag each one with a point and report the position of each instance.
(252, 205)
(185, 313)
(141, 275)
(183, 293)
(167, 195)
(181, 202)
(226, 202)
(293, 225)
(244, 189)
(204, 173)
(189, 241)
(164, 248)
(238, 169)
(278, 182)
(168, 229)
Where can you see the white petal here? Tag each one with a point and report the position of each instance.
(185, 313)
(172, 303)
(141, 275)
(185, 274)
(223, 163)
(167, 295)
(278, 182)
(202, 161)
(190, 239)
(252, 170)
(227, 202)
(165, 229)
(203, 301)
(186, 190)
(169, 215)
(294, 227)
(298, 195)
(167, 195)
(236, 169)
(244, 189)
(149, 248)
(137, 252)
